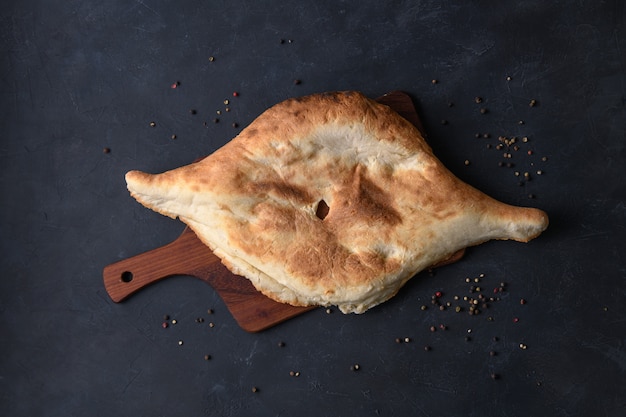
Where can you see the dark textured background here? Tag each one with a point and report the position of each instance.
(81, 76)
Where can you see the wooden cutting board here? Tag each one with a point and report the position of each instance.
(187, 255)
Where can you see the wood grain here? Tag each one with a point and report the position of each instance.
(187, 255)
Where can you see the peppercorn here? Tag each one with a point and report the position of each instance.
(532, 103)
(297, 82)
(281, 344)
(152, 124)
(211, 59)
(207, 357)
(255, 389)
(193, 111)
(483, 111)
(478, 100)
(106, 150)
(355, 367)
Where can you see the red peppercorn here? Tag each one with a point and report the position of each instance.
(438, 294)
(235, 94)
(515, 320)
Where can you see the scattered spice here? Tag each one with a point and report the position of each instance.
(165, 325)
(478, 100)
(281, 344)
(235, 125)
(532, 103)
(483, 111)
(180, 343)
(176, 84)
(495, 376)
(434, 81)
(255, 389)
(106, 150)
(427, 348)
(211, 58)
(173, 136)
(467, 162)
(235, 94)
(297, 82)
(355, 367)
(226, 101)
(152, 124)
(193, 111)
(523, 346)
(207, 357)
(407, 340)
(174, 321)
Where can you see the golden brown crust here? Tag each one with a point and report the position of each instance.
(394, 209)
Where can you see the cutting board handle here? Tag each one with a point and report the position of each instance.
(127, 276)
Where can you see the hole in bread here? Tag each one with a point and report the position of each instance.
(322, 210)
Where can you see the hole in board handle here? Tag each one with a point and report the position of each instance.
(126, 276)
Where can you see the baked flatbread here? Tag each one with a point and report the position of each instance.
(330, 199)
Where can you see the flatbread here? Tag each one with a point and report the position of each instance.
(330, 199)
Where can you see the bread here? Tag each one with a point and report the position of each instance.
(330, 199)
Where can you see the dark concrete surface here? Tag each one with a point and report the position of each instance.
(81, 76)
